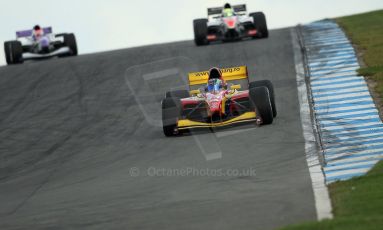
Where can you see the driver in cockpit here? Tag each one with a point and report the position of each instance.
(215, 82)
(227, 10)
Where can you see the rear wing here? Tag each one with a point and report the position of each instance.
(240, 9)
(28, 33)
(233, 75)
(214, 11)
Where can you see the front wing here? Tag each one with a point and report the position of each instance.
(61, 51)
(188, 124)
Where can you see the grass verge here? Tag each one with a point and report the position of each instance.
(366, 33)
(358, 203)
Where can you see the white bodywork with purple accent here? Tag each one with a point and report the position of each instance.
(48, 45)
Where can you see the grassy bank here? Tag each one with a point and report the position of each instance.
(358, 203)
(366, 33)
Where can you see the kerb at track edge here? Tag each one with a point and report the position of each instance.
(321, 195)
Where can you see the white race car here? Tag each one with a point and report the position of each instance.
(228, 27)
(29, 46)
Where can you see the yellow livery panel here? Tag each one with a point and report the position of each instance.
(228, 74)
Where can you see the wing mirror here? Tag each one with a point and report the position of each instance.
(237, 87)
(194, 92)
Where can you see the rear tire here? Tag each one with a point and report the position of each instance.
(260, 99)
(70, 41)
(177, 93)
(171, 111)
(200, 32)
(270, 87)
(260, 24)
(13, 52)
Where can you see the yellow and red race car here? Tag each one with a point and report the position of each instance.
(216, 98)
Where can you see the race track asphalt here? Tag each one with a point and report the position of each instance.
(80, 140)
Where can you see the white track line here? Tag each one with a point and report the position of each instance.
(341, 96)
(332, 75)
(372, 105)
(355, 159)
(321, 195)
(352, 141)
(342, 102)
(335, 85)
(328, 81)
(350, 165)
(378, 151)
(345, 172)
(354, 126)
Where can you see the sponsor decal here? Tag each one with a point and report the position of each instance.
(226, 70)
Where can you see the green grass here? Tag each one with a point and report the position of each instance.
(366, 33)
(370, 71)
(357, 204)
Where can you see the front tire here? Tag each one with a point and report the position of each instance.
(260, 100)
(260, 24)
(270, 87)
(200, 32)
(171, 111)
(70, 41)
(13, 52)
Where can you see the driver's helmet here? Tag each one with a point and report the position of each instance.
(216, 81)
(214, 85)
(227, 10)
(37, 32)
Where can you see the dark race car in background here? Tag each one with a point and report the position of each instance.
(219, 28)
(25, 47)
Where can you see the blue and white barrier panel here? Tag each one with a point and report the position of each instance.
(348, 121)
